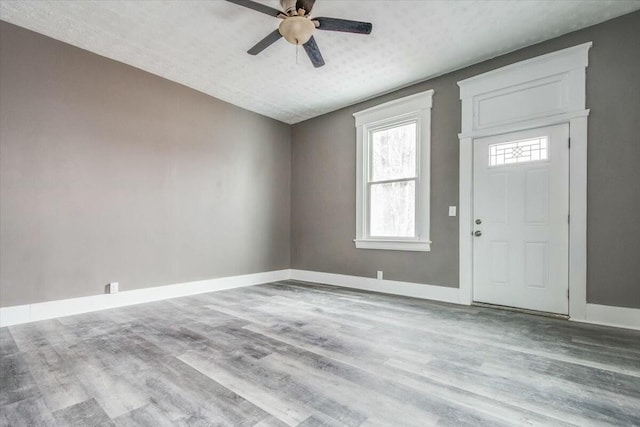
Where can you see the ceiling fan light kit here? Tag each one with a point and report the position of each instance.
(297, 26)
(296, 29)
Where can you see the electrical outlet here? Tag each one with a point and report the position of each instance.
(112, 288)
(380, 274)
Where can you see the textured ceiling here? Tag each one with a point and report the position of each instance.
(202, 44)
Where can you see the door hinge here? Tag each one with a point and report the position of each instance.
(569, 218)
(567, 293)
(569, 142)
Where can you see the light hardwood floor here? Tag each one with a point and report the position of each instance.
(299, 354)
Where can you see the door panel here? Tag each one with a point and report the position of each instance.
(537, 196)
(536, 262)
(497, 209)
(499, 263)
(521, 208)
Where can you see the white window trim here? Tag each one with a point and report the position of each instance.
(417, 107)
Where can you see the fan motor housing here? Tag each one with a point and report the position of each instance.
(296, 29)
(288, 6)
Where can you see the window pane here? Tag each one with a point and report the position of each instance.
(393, 153)
(529, 150)
(393, 209)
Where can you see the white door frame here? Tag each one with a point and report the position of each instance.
(542, 91)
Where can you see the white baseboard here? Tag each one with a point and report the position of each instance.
(15, 315)
(620, 317)
(408, 289)
(606, 315)
(67, 307)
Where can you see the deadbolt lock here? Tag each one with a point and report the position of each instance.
(478, 221)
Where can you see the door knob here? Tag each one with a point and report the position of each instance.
(478, 233)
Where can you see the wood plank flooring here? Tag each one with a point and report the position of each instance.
(296, 354)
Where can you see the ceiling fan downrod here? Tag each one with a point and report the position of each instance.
(288, 7)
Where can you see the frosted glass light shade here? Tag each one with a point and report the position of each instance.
(296, 29)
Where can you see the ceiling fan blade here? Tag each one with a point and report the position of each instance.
(313, 51)
(257, 6)
(265, 43)
(307, 5)
(334, 24)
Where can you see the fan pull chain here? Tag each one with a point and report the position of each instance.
(297, 50)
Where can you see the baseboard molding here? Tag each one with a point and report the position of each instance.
(606, 315)
(603, 315)
(67, 307)
(394, 287)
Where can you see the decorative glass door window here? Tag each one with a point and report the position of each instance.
(528, 150)
(392, 181)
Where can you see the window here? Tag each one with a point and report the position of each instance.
(393, 155)
(528, 150)
(392, 181)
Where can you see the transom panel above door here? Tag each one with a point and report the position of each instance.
(521, 219)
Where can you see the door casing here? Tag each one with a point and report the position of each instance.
(555, 84)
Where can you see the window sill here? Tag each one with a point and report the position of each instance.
(394, 245)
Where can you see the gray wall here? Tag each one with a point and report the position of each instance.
(109, 173)
(323, 175)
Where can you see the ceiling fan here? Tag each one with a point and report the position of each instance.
(297, 26)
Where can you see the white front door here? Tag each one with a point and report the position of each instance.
(521, 219)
